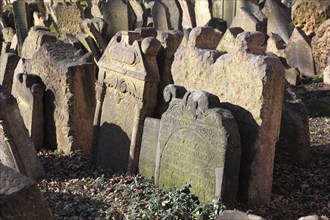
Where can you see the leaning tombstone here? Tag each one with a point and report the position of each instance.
(21, 197)
(244, 71)
(17, 150)
(299, 53)
(69, 98)
(194, 129)
(188, 14)
(202, 12)
(8, 64)
(321, 47)
(28, 89)
(126, 94)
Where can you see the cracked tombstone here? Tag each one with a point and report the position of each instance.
(240, 73)
(127, 83)
(69, 98)
(16, 148)
(194, 129)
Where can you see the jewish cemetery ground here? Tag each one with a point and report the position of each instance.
(165, 109)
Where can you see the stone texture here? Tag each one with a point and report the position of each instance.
(310, 14)
(204, 38)
(90, 45)
(227, 42)
(69, 100)
(68, 18)
(321, 46)
(194, 129)
(28, 89)
(126, 94)
(202, 12)
(238, 74)
(16, 148)
(276, 45)
(21, 197)
(311, 217)
(8, 34)
(37, 36)
(326, 75)
(279, 19)
(147, 161)
(294, 135)
(238, 215)
(299, 53)
(8, 64)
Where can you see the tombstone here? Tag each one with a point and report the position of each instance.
(202, 12)
(68, 17)
(170, 41)
(126, 94)
(8, 34)
(188, 14)
(37, 36)
(8, 64)
(294, 136)
(238, 74)
(69, 102)
(88, 27)
(21, 197)
(250, 22)
(139, 13)
(321, 47)
(17, 150)
(326, 75)
(227, 42)
(90, 45)
(28, 89)
(279, 19)
(119, 16)
(167, 15)
(227, 10)
(204, 38)
(276, 45)
(218, 24)
(310, 14)
(299, 53)
(22, 21)
(194, 129)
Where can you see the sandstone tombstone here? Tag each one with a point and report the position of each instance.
(119, 16)
(321, 46)
(16, 148)
(8, 64)
(326, 75)
(198, 144)
(240, 73)
(299, 53)
(126, 94)
(21, 197)
(28, 89)
(188, 14)
(279, 19)
(202, 12)
(227, 42)
(69, 98)
(169, 12)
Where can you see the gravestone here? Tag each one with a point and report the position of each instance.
(198, 144)
(68, 17)
(28, 89)
(21, 197)
(37, 36)
(139, 13)
(321, 47)
(69, 98)
(204, 38)
(166, 13)
(8, 64)
(299, 53)
(202, 12)
(188, 14)
(240, 73)
(276, 45)
(16, 148)
(90, 45)
(90, 28)
(227, 42)
(126, 94)
(119, 16)
(326, 75)
(23, 21)
(279, 19)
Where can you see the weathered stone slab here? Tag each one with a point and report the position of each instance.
(21, 197)
(166, 13)
(126, 94)
(227, 42)
(69, 102)
(7, 34)
(310, 14)
(279, 19)
(22, 21)
(37, 36)
(68, 17)
(188, 14)
(326, 75)
(139, 13)
(239, 74)
(8, 64)
(147, 161)
(198, 144)
(299, 53)
(16, 148)
(90, 45)
(321, 47)
(119, 16)
(204, 38)
(202, 12)
(276, 45)
(28, 89)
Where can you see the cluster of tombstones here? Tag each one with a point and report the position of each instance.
(139, 88)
